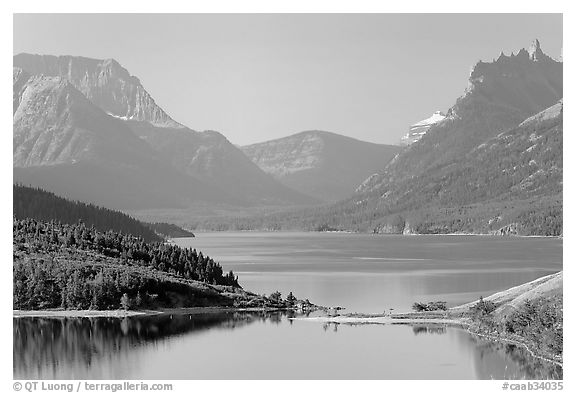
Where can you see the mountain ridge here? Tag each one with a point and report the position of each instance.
(63, 143)
(500, 95)
(206, 157)
(323, 164)
(104, 82)
(494, 165)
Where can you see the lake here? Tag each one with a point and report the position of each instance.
(370, 273)
(363, 273)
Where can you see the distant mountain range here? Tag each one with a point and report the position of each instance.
(493, 164)
(325, 165)
(87, 129)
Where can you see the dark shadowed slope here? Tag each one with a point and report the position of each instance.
(319, 163)
(45, 206)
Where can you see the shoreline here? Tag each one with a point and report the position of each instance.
(382, 320)
(377, 234)
(78, 313)
(136, 313)
(415, 319)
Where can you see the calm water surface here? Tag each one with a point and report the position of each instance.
(368, 273)
(359, 272)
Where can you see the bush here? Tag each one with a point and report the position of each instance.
(430, 306)
(483, 308)
(541, 321)
(276, 297)
(125, 302)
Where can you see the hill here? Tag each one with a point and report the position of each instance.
(78, 267)
(530, 314)
(322, 164)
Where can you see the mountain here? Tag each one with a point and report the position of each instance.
(493, 165)
(451, 165)
(105, 83)
(500, 95)
(55, 124)
(418, 130)
(325, 165)
(62, 142)
(210, 157)
(205, 160)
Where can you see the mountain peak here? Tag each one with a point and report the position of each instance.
(535, 52)
(534, 47)
(106, 83)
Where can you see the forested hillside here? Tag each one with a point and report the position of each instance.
(169, 230)
(79, 267)
(42, 205)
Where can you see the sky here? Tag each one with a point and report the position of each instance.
(256, 77)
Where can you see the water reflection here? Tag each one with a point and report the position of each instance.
(428, 329)
(495, 360)
(507, 361)
(209, 346)
(54, 348)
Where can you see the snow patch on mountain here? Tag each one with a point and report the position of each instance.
(418, 130)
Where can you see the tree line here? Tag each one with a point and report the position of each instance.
(186, 263)
(42, 205)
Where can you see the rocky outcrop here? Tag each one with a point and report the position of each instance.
(19, 79)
